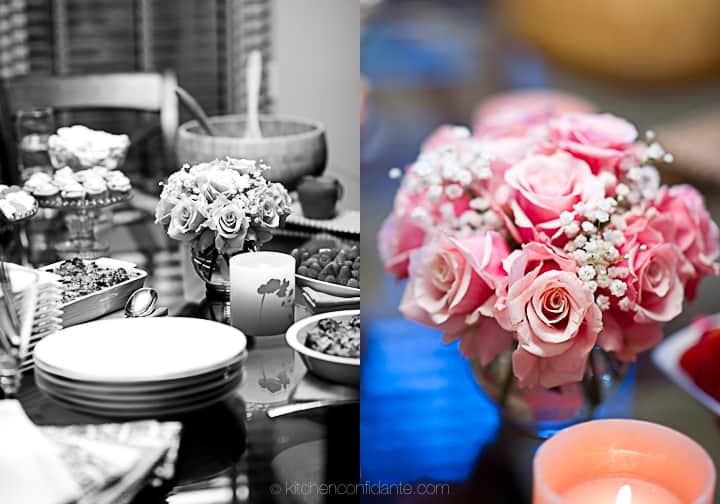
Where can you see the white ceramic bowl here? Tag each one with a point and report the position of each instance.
(292, 146)
(344, 370)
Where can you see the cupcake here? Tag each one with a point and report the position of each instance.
(119, 186)
(65, 172)
(84, 175)
(96, 188)
(46, 193)
(101, 172)
(36, 180)
(64, 177)
(73, 193)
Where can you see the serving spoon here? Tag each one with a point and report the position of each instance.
(142, 303)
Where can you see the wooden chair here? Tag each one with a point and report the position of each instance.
(143, 92)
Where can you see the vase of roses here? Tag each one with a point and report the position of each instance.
(545, 244)
(221, 208)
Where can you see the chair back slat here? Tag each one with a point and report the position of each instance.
(132, 91)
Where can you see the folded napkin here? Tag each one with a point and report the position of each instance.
(31, 469)
(320, 301)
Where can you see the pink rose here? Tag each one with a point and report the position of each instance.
(696, 235)
(399, 236)
(517, 113)
(185, 220)
(601, 140)
(658, 270)
(452, 287)
(553, 314)
(404, 231)
(544, 187)
(625, 337)
(445, 136)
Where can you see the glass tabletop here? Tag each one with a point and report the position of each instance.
(232, 451)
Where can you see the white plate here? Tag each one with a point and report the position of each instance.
(666, 357)
(145, 412)
(327, 287)
(330, 367)
(145, 401)
(139, 350)
(169, 388)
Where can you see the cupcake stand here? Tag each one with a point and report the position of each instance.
(81, 218)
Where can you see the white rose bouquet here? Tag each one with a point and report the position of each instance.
(222, 207)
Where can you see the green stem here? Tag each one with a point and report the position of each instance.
(506, 386)
(592, 385)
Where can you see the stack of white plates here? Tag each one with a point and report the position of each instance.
(144, 367)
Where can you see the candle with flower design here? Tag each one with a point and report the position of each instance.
(624, 462)
(262, 292)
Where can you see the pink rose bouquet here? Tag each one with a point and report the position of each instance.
(546, 236)
(224, 206)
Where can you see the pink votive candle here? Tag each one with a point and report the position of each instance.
(622, 462)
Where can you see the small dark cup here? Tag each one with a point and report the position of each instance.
(319, 195)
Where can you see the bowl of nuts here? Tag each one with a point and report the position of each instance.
(332, 270)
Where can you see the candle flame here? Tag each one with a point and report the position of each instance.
(624, 495)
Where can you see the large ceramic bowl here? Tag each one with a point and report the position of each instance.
(292, 146)
(344, 370)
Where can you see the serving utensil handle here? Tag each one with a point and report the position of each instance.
(253, 75)
(289, 409)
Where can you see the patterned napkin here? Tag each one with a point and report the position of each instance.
(98, 464)
(112, 462)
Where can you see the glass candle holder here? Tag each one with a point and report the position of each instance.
(622, 462)
(33, 128)
(262, 292)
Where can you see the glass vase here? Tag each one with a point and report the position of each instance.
(213, 268)
(539, 412)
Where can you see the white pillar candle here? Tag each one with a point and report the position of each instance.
(262, 292)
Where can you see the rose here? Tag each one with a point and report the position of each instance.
(163, 210)
(452, 287)
(181, 180)
(696, 235)
(657, 269)
(269, 214)
(399, 236)
(553, 314)
(543, 187)
(601, 140)
(185, 220)
(281, 197)
(230, 224)
(445, 136)
(520, 113)
(625, 337)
